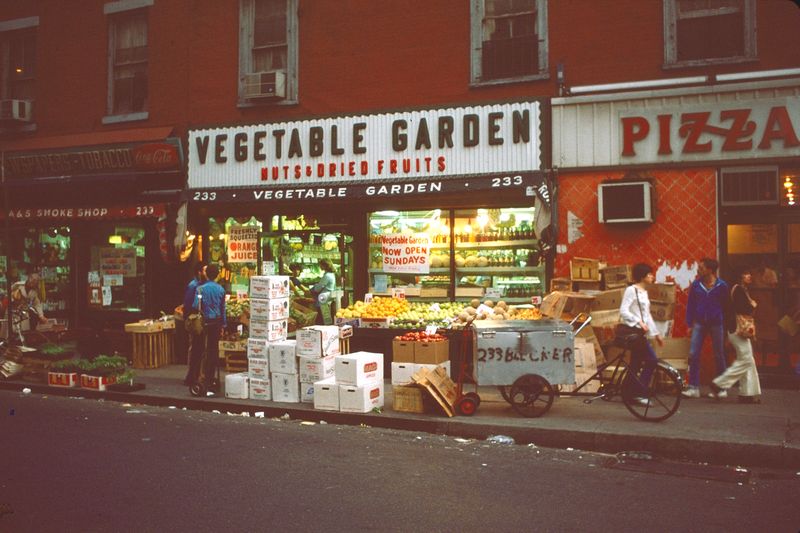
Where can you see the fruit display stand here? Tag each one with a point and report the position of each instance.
(153, 343)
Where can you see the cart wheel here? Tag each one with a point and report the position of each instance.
(505, 392)
(197, 389)
(474, 396)
(531, 395)
(467, 405)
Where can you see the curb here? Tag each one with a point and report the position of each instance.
(682, 449)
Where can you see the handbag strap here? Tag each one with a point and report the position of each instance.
(639, 303)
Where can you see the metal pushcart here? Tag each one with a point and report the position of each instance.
(523, 358)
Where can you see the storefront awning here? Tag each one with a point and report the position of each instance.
(530, 184)
(95, 138)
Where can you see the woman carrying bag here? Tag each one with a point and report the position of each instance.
(637, 325)
(741, 329)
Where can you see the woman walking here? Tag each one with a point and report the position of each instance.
(743, 368)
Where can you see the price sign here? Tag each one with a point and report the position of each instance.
(431, 330)
(267, 268)
(399, 292)
(536, 300)
(494, 292)
(368, 298)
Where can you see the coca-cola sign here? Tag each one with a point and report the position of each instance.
(87, 160)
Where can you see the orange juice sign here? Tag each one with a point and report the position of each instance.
(406, 253)
(118, 261)
(243, 244)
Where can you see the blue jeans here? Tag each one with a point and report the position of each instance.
(643, 363)
(699, 332)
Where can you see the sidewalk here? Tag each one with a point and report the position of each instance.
(718, 432)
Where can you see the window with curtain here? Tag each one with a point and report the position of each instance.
(129, 61)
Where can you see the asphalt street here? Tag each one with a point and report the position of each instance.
(73, 464)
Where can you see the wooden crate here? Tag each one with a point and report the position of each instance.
(408, 399)
(560, 285)
(153, 350)
(583, 269)
(618, 276)
(235, 360)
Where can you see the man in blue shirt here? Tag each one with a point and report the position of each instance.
(195, 341)
(708, 298)
(210, 300)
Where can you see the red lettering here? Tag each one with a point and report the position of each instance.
(364, 168)
(664, 144)
(778, 127)
(737, 137)
(441, 165)
(634, 129)
(692, 126)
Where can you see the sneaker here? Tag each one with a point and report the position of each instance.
(210, 394)
(716, 392)
(691, 392)
(644, 402)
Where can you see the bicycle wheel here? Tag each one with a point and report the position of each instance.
(663, 396)
(531, 395)
(504, 392)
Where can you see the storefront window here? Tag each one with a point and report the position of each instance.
(118, 261)
(44, 251)
(395, 267)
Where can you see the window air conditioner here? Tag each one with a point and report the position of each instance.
(266, 85)
(15, 110)
(625, 201)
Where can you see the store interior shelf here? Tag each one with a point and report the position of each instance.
(527, 243)
(432, 271)
(506, 299)
(498, 271)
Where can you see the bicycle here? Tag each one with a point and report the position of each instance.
(663, 389)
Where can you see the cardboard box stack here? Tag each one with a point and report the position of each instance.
(409, 356)
(269, 311)
(356, 385)
(316, 349)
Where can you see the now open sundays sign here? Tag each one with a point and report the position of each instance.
(407, 254)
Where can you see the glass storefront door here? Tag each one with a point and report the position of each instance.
(771, 251)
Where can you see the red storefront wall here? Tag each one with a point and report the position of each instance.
(684, 231)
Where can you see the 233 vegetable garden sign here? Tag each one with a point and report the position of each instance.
(404, 253)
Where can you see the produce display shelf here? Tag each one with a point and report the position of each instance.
(485, 271)
(522, 243)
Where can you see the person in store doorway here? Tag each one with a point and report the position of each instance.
(210, 301)
(194, 341)
(634, 312)
(705, 311)
(322, 291)
(743, 368)
(25, 297)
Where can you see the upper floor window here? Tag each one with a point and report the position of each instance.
(128, 60)
(702, 32)
(18, 51)
(509, 40)
(268, 50)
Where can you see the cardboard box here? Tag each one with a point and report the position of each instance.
(618, 276)
(375, 322)
(257, 348)
(469, 292)
(318, 341)
(432, 353)
(402, 372)
(565, 304)
(96, 382)
(282, 357)
(237, 386)
(585, 359)
(354, 322)
(608, 300)
(662, 310)
(402, 351)
(580, 377)
(271, 330)
(269, 287)
(326, 395)
(408, 399)
(431, 367)
(306, 392)
(662, 292)
(313, 369)
(260, 389)
(285, 387)
(358, 368)
(583, 269)
(601, 319)
(257, 368)
(272, 309)
(674, 348)
(361, 398)
(433, 292)
(62, 379)
(560, 285)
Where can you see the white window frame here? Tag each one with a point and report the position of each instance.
(671, 38)
(6, 27)
(246, 27)
(115, 8)
(477, 12)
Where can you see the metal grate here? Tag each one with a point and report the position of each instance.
(750, 186)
